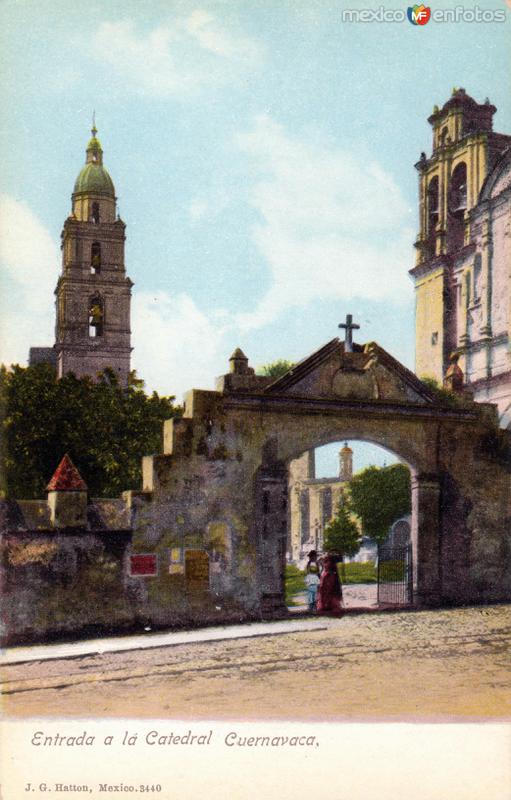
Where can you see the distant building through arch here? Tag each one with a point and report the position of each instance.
(313, 501)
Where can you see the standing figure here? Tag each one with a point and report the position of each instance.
(312, 583)
(330, 590)
(312, 573)
(313, 561)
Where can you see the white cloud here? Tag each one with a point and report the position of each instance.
(30, 260)
(176, 58)
(210, 204)
(198, 209)
(331, 224)
(202, 26)
(177, 346)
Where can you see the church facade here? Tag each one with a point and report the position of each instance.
(463, 265)
(93, 293)
(313, 502)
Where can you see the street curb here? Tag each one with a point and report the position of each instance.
(95, 647)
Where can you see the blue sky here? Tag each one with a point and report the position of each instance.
(262, 154)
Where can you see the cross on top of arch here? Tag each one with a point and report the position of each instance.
(349, 327)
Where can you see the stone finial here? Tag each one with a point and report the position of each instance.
(454, 377)
(239, 362)
(67, 496)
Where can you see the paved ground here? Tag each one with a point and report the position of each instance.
(356, 595)
(360, 594)
(151, 640)
(433, 665)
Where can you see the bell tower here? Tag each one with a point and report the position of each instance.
(345, 463)
(464, 150)
(93, 291)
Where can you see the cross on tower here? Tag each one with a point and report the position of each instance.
(349, 326)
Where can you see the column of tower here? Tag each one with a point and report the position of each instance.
(93, 293)
(450, 181)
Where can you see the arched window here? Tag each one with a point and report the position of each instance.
(433, 198)
(432, 204)
(95, 257)
(457, 205)
(95, 213)
(432, 212)
(458, 189)
(96, 316)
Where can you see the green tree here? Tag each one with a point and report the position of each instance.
(105, 428)
(276, 368)
(379, 496)
(342, 535)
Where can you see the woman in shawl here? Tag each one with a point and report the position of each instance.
(330, 591)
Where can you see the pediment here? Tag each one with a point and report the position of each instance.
(368, 373)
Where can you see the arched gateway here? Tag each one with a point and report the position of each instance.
(225, 468)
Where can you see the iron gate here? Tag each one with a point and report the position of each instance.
(395, 575)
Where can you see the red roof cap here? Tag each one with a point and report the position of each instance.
(66, 478)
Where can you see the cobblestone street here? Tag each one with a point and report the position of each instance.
(408, 665)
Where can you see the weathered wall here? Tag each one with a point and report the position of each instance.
(176, 595)
(62, 583)
(209, 477)
(211, 521)
(475, 501)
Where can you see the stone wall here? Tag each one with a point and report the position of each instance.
(200, 575)
(204, 540)
(58, 584)
(209, 477)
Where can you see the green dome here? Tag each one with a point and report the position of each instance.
(95, 179)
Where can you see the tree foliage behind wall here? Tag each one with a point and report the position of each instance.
(105, 428)
(276, 368)
(379, 497)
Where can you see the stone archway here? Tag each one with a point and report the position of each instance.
(270, 518)
(233, 444)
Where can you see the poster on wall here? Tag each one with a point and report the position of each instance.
(255, 399)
